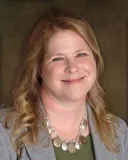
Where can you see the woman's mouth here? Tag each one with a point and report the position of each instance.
(70, 81)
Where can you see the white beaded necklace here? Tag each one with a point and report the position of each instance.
(65, 145)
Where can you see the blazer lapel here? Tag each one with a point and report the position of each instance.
(44, 150)
(101, 152)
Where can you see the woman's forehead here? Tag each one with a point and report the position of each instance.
(63, 39)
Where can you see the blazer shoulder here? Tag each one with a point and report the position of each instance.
(123, 128)
(4, 143)
(6, 148)
(122, 133)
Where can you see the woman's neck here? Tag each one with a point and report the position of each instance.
(65, 119)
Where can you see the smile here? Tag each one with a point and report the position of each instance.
(70, 81)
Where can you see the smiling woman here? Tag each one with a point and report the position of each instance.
(59, 110)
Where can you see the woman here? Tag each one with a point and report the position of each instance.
(59, 110)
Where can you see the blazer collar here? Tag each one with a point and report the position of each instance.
(101, 152)
(46, 151)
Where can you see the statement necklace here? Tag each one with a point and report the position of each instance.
(73, 145)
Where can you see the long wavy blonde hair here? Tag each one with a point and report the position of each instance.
(27, 88)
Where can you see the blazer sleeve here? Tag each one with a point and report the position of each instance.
(6, 149)
(126, 143)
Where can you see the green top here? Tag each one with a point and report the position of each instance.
(86, 152)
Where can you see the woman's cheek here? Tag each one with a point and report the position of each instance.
(53, 70)
(92, 63)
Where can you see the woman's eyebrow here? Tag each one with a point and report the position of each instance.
(55, 54)
(48, 55)
(82, 50)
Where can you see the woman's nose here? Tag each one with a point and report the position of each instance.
(71, 67)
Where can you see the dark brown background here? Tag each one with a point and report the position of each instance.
(109, 19)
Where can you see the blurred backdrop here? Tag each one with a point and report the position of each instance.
(109, 19)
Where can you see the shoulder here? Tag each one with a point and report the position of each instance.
(3, 149)
(122, 128)
(6, 148)
(122, 134)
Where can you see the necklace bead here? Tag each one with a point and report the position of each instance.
(64, 146)
(71, 147)
(82, 140)
(57, 142)
(77, 145)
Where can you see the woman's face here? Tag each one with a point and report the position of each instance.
(69, 67)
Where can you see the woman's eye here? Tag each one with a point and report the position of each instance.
(57, 59)
(81, 54)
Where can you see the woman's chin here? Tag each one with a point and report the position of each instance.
(75, 97)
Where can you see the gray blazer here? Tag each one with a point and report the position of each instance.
(44, 152)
